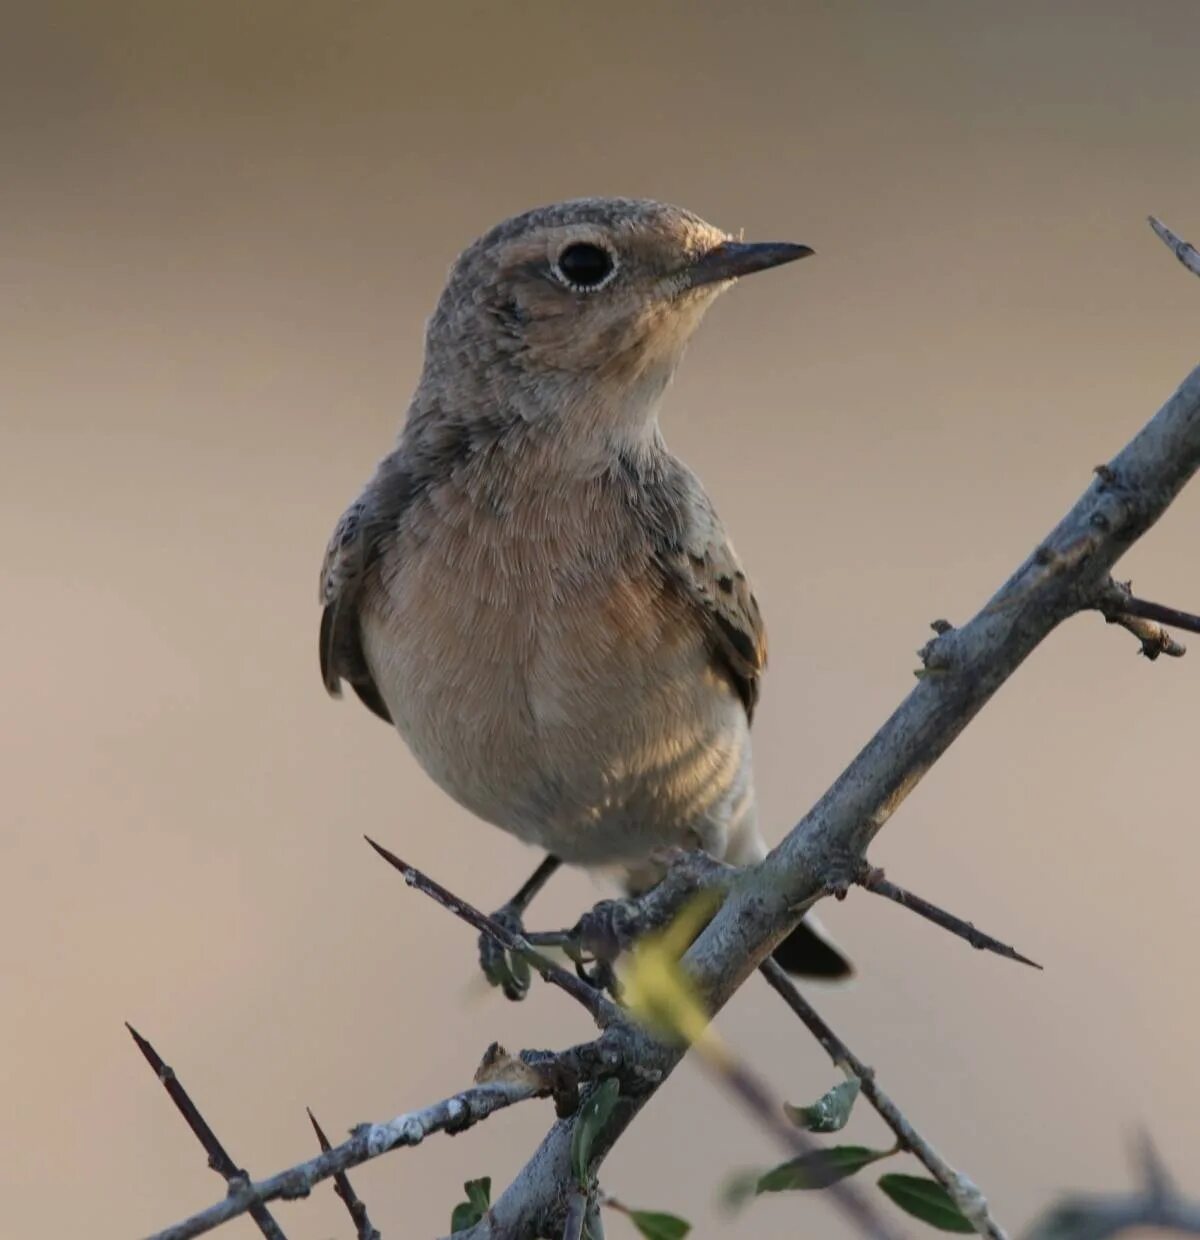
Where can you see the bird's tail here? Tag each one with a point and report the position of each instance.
(807, 952)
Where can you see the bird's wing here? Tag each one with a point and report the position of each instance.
(349, 558)
(692, 547)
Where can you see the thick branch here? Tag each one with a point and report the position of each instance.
(964, 668)
(963, 1191)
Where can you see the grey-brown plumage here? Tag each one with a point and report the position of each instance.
(537, 594)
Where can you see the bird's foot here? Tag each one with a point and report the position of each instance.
(602, 934)
(501, 967)
(609, 928)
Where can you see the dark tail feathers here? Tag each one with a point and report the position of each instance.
(806, 952)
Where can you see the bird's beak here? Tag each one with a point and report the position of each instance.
(732, 259)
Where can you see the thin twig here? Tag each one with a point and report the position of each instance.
(218, 1157)
(1187, 254)
(367, 1141)
(1163, 615)
(345, 1190)
(758, 1100)
(963, 1191)
(1116, 603)
(1154, 638)
(873, 880)
(1156, 1179)
(603, 1010)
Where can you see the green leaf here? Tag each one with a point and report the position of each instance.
(926, 1200)
(830, 1111)
(467, 1213)
(656, 1226)
(593, 1115)
(463, 1218)
(820, 1168)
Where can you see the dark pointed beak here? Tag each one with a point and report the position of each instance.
(732, 259)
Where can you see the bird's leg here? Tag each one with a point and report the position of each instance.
(501, 968)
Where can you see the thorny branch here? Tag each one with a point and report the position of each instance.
(345, 1190)
(656, 908)
(874, 880)
(1157, 1205)
(963, 1192)
(367, 1141)
(602, 1009)
(1065, 574)
(1068, 572)
(218, 1157)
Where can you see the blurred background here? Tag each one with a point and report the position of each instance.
(221, 228)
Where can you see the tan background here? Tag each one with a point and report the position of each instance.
(221, 227)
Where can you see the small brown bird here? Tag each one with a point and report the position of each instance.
(532, 589)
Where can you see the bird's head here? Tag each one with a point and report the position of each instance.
(582, 309)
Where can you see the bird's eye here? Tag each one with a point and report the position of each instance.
(585, 267)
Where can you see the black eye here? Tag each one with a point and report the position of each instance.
(585, 266)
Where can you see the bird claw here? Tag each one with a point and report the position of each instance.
(502, 968)
(609, 928)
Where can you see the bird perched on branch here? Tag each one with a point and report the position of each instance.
(532, 589)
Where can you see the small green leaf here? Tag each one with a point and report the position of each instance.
(926, 1200)
(656, 1226)
(463, 1218)
(830, 1111)
(820, 1168)
(479, 1193)
(467, 1213)
(593, 1115)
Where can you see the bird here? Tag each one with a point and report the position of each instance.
(533, 590)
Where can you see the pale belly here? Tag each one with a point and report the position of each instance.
(581, 716)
